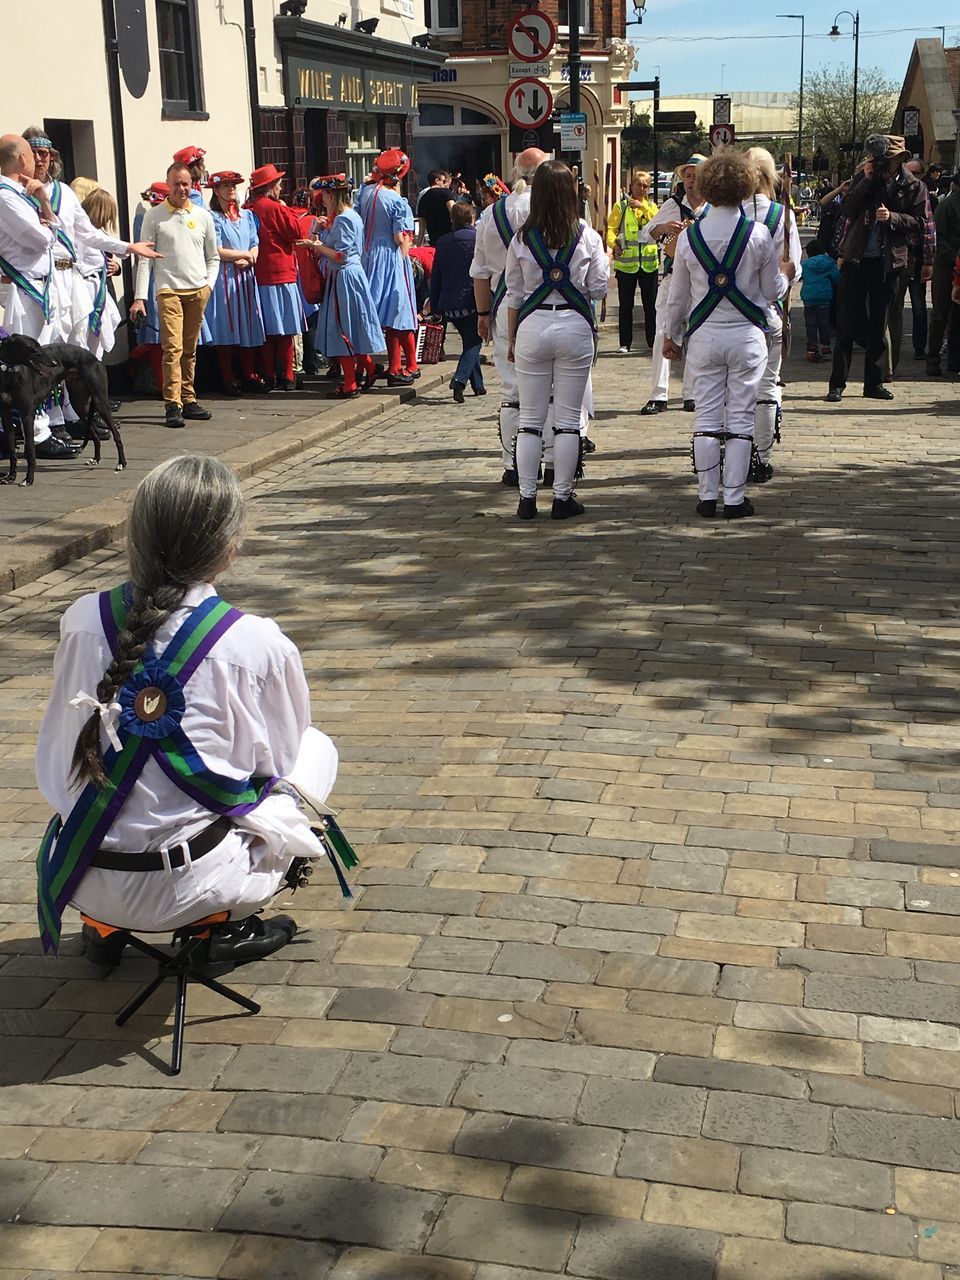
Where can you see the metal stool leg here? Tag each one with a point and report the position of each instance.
(244, 1001)
(140, 998)
(179, 1020)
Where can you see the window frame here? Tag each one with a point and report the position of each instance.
(586, 19)
(359, 160)
(177, 108)
(435, 29)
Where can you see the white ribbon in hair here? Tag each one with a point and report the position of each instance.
(109, 714)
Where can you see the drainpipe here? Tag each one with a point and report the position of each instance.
(253, 85)
(112, 53)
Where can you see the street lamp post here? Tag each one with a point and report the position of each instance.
(802, 20)
(835, 35)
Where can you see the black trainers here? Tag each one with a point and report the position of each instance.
(510, 478)
(240, 941)
(566, 508)
(457, 388)
(54, 449)
(707, 508)
(105, 953)
(744, 508)
(196, 412)
(834, 395)
(762, 472)
(589, 446)
(527, 509)
(173, 416)
(399, 380)
(653, 406)
(877, 393)
(689, 406)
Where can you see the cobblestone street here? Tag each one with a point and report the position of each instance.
(653, 970)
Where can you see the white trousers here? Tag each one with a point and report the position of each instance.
(769, 394)
(554, 351)
(659, 364)
(241, 875)
(728, 362)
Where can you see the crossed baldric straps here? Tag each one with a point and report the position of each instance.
(505, 230)
(722, 277)
(144, 724)
(556, 278)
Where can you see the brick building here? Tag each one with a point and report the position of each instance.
(463, 122)
(932, 87)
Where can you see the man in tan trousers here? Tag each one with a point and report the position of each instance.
(184, 234)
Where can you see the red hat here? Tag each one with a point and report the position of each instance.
(156, 193)
(223, 175)
(188, 155)
(265, 176)
(392, 164)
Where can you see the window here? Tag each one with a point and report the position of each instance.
(435, 114)
(179, 48)
(443, 16)
(363, 147)
(469, 116)
(586, 15)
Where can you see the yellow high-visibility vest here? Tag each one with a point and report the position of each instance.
(623, 231)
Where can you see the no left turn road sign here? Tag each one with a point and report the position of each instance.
(532, 36)
(529, 103)
(722, 135)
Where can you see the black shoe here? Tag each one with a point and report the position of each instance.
(762, 473)
(548, 477)
(232, 389)
(478, 391)
(64, 434)
(834, 395)
(240, 941)
(333, 371)
(287, 384)
(527, 508)
(173, 416)
(196, 412)
(566, 508)
(399, 380)
(55, 450)
(933, 369)
(510, 478)
(115, 406)
(653, 406)
(105, 953)
(707, 507)
(589, 445)
(77, 431)
(457, 388)
(744, 508)
(255, 385)
(877, 393)
(413, 374)
(689, 406)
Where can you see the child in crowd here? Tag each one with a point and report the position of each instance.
(821, 276)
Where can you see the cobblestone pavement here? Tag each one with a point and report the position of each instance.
(654, 967)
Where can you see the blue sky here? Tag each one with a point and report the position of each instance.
(702, 46)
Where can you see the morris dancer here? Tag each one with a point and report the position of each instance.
(232, 322)
(348, 328)
(725, 273)
(189, 732)
(556, 268)
(677, 211)
(387, 236)
(280, 229)
(763, 207)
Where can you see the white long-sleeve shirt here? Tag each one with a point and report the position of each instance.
(758, 275)
(187, 239)
(72, 217)
(24, 241)
(589, 271)
(669, 211)
(756, 208)
(489, 252)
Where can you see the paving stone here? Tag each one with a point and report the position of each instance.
(922, 1066)
(850, 891)
(342, 1209)
(482, 986)
(715, 1211)
(530, 960)
(657, 973)
(391, 1078)
(782, 1049)
(882, 1095)
(43, 1104)
(492, 1231)
(526, 1091)
(367, 1264)
(286, 1113)
(441, 902)
(736, 1077)
(551, 1143)
(436, 1171)
(274, 1258)
(928, 1195)
(591, 1060)
(602, 915)
(767, 1122)
(391, 1124)
(642, 1104)
(401, 1008)
(608, 940)
(315, 1155)
(775, 986)
(911, 1000)
(511, 907)
(462, 955)
(612, 1249)
(59, 1247)
(931, 898)
(687, 1161)
(766, 1260)
(19, 1179)
(918, 855)
(198, 1150)
(878, 966)
(631, 1031)
(458, 1046)
(579, 1192)
(918, 1141)
(497, 1017)
(257, 1066)
(791, 1175)
(95, 1062)
(851, 1229)
(921, 1035)
(939, 1241)
(131, 1195)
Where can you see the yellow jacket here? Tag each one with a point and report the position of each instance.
(623, 232)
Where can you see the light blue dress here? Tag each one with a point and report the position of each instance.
(232, 317)
(348, 323)
(385, 212)
(149, 331)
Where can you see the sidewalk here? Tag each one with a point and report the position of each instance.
(653, 969)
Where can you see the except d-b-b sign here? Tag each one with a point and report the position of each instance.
(532, 35)
(529, 103)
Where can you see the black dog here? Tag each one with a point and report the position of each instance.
(29, 373)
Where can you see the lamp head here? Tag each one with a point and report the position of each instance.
(368, 26)
(834, 32)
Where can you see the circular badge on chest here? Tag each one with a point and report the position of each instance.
(721, 279)
(558, 275)
(150, 704)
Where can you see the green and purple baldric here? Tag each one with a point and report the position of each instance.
(505, 230)
(56, 200)
(151, 706)
(722, 277)
(556, 278)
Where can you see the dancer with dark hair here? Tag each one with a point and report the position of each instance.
(280, 229)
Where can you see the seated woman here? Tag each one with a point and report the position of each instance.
(171, 796)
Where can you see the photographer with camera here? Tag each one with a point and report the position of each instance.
(884, 212)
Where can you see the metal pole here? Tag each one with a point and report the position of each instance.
(656, 147)
(573, 58)
(253, 87)
(856, 69)
(800, 110)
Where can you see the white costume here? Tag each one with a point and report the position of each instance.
(555, 348)
(671, 210)
(770, 394)
(248, 713)
(727, 352)
(91, 263)
(91, 244)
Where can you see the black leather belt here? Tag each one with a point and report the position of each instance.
(205, 842)
(554, 306)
